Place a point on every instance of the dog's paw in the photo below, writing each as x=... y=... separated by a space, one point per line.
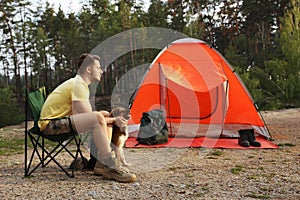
x=126 y=164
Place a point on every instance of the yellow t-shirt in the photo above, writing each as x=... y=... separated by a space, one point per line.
x=59 y=103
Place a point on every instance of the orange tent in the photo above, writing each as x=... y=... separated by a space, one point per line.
x=199 y=92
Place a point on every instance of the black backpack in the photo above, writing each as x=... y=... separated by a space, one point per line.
x=153 y=128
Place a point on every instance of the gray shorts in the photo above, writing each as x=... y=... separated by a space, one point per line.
x=59 y=126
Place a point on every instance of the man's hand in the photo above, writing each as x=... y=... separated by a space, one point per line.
x=121 y=122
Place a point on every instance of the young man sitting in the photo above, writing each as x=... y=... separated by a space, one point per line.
x=70 y=102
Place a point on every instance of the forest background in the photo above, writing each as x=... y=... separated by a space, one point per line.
x=260 y=39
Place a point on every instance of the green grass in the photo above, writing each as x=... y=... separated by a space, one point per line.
x=217 y=153
x=11 y=146
x=16 y=146
x=189 y=175
x=211 y=157
x=214 y=154
x=237 y=169
x=286 y=145
x=265 y=189
x=253 y=177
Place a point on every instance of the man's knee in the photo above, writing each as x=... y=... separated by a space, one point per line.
x=100 y=118
x=104 y=113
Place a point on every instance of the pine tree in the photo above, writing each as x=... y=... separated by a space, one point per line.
x=157 y=14
x=290 y=45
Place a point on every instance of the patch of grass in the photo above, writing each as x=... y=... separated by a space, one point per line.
x=265 y=189
x=189 y=175
x=211 y=157
x=213 y=154
x=237 y=169
x=12 y=146
x=261 y=168
x=258 y=196
x=269 y=175
x=217 y=153
x=16 y=146
x=28 y=177
x=4 y=129
x=173 y=168
x=286 y=145
x=203 y=149
x=271 y=161
x=199 y=194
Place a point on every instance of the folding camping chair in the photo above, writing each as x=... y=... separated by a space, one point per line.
x=41 y=152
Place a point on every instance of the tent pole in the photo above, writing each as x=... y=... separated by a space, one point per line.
x=169 y=109
x=225 y=107
x=166 y=99
x=256 y=107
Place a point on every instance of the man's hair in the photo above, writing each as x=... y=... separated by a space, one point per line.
x=86 y=60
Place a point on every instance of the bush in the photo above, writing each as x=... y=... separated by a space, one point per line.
x=11 y=113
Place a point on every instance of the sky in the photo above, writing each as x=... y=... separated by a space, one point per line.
x=73 y=5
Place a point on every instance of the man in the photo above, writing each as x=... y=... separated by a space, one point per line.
x=70 y=101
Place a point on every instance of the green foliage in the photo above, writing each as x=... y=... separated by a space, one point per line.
x=275 y=83
x=259 y=38
x=249 y=75
x=253 y=84
x=157 y=14
x=234 y=57
x=9 y=108
x=290 y=43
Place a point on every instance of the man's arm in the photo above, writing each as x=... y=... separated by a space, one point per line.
x=81 y=107
x=84 y=107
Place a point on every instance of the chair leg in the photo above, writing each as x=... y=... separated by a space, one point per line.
x=46 y=156
x=43 y=152
x=60 y=146
x=25 y=153
x=78 y=151
x=35 y=143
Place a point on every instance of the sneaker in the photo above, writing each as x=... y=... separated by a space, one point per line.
x=91 y=163
x=79 y=163
x=113 y=173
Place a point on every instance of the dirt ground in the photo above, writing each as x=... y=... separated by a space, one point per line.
x=171 y=173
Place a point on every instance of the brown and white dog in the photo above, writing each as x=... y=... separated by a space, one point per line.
x=119 y=136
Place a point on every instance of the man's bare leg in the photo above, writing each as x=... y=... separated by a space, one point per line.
x=105 y=165
x=96 y=122
x=109 y=124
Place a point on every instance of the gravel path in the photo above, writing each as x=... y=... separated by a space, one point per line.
x=172 y=173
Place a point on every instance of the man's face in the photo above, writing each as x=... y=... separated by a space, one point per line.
x=96 y=71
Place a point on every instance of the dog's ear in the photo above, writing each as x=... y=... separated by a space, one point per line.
x=127 y=111
x=111 y=114
x=119 y=111
x=116 y=111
